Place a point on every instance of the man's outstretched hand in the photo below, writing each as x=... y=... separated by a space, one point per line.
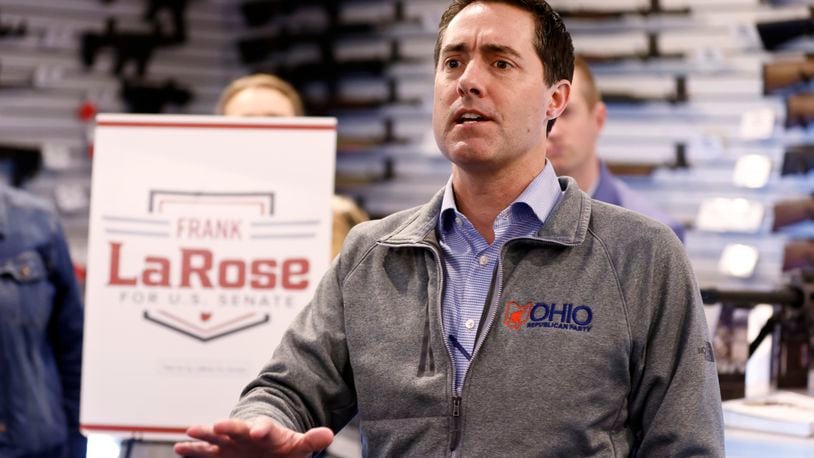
x=261 y=437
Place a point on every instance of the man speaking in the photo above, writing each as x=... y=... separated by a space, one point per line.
x=509 y=316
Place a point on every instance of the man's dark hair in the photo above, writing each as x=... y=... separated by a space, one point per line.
x=551 y=40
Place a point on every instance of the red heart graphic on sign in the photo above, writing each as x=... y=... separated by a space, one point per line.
x=205 y=316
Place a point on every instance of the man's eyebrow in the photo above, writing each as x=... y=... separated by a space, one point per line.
x=500 y=49
x=454 y=48
x=489 y=48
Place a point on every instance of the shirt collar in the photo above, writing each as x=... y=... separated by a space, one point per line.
x=541 y=195
x=448 y=207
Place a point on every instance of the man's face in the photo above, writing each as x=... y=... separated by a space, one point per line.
x=572 y=141
x=259 y=101
x=491 y=98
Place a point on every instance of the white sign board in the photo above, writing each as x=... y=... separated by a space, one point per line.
x=207 y=236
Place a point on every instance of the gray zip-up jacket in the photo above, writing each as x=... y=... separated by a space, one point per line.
x=596 y=345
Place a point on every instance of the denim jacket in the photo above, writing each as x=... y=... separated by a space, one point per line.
x=40 y=330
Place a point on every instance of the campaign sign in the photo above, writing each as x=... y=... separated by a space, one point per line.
x=207 y=236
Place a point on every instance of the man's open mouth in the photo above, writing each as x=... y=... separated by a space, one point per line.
x=470 y=118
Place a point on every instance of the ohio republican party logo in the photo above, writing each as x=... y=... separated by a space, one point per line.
x=516 y=315
x=548 y=315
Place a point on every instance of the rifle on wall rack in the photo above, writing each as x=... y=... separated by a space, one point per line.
x=792 y=323
x=775 y=34
x=655 y=9
x=784 y=74
x=799 y=109
x=18 y=30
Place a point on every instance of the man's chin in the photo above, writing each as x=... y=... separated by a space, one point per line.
x=554 y=154
x=468 y=158
x=468 y=148
x=559 y=166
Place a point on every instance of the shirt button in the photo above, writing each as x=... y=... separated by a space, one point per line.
x=483 y=260
x=458 y=221
x=470 y=323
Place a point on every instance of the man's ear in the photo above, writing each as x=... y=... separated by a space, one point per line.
x=560 y=94
x=600 y=114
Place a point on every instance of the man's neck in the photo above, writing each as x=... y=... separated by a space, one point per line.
x=481 y=198
x=588 y=177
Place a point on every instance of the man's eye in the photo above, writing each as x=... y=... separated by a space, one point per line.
x=502 y=64
x=452 y=63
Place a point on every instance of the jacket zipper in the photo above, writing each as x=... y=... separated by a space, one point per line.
x=456 y=407
x=455 y=431
x=457 y=399
x=456 y=423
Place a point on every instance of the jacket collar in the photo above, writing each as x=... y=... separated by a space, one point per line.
x=567 y=224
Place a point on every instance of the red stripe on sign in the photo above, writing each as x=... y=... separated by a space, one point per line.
x=214 y=126
x=134 y=428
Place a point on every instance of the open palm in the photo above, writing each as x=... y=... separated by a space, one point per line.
x=261 y=437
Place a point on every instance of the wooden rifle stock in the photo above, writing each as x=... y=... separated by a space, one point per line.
x=782 y=74
x=799 y=109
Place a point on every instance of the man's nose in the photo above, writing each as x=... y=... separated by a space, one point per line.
x=471 y=80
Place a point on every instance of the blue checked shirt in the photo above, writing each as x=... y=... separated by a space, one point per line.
x=470 y=262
